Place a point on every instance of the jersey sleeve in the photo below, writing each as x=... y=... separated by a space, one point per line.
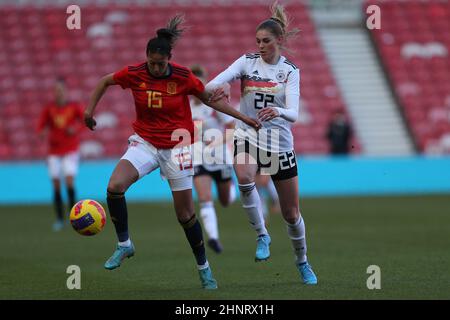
x=196 y=87
x=233 y=72
x=43 y=120
x=121 y=77
x=290 y=113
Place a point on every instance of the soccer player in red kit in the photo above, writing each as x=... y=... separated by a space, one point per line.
x=164 y=132
x=63 y=120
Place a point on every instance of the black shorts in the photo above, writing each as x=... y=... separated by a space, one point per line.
x=222 y=175
x=280 y=166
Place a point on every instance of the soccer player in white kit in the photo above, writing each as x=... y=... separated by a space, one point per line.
x=212 y=161
x=269 y=91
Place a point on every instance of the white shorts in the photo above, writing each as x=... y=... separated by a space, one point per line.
x=66 y=165
x=175 y=164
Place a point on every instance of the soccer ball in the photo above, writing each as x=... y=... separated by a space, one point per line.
x=87 y=217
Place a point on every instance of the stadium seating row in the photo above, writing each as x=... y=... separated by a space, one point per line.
x=40 y=48
x=414 y=45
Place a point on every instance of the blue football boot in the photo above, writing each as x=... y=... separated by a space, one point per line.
x=58 y=225
x=262 y=247
x=208 y=282
x=118 y=255
x=307 y=273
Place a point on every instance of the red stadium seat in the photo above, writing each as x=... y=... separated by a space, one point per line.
x=422 y=22
x=39 y=51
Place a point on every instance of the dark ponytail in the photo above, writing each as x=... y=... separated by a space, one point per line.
x=166 y=37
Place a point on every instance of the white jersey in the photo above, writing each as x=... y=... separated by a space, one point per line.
x=212 y=124
x=265 y=85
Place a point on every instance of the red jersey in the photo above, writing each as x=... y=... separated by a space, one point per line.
x=162 y=104
x=64 y=123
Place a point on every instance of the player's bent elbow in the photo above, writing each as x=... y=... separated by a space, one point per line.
x=290 y=115
x=292 y=119
x=107 y=80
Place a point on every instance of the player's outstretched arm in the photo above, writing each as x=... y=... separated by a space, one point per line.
x=219 y=92
x=289 y=112
x=224 y=106
x=100 y=89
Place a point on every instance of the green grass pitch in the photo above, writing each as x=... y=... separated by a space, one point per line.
x=407 y=237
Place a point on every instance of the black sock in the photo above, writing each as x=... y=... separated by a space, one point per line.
x=117 y=206
x=193 y=232
x=57 y=201
x=71 y=194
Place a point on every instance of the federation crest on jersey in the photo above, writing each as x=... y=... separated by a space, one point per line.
x=171 y=87
x=60 y=121
x=280 y=75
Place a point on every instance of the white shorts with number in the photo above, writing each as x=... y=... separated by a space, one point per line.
x=175 y=164
x=66 y=165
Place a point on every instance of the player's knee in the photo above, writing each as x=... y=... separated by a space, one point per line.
x=184 y=213
x=291 y=214
x=187 y=221
x=116 y=186
x=56 y=184
x=246 y=179
x=69 y=182
x=204 y=197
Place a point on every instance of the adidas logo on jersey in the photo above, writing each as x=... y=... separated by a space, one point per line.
x=255 y=72
x=143 y=85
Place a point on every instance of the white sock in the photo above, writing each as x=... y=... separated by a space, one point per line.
x=252 y=205
x=232 y=192
x=125 y=243
x=297 y=235
x=203 y=266
x=272 y=191
x=209 y=218
x=264 y=209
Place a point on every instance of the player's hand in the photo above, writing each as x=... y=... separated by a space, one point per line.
x=221 y=92
x=267 y=114
x=252 y=123
x=89 y=121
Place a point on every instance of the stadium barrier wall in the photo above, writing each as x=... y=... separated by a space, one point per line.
x=29 y=183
